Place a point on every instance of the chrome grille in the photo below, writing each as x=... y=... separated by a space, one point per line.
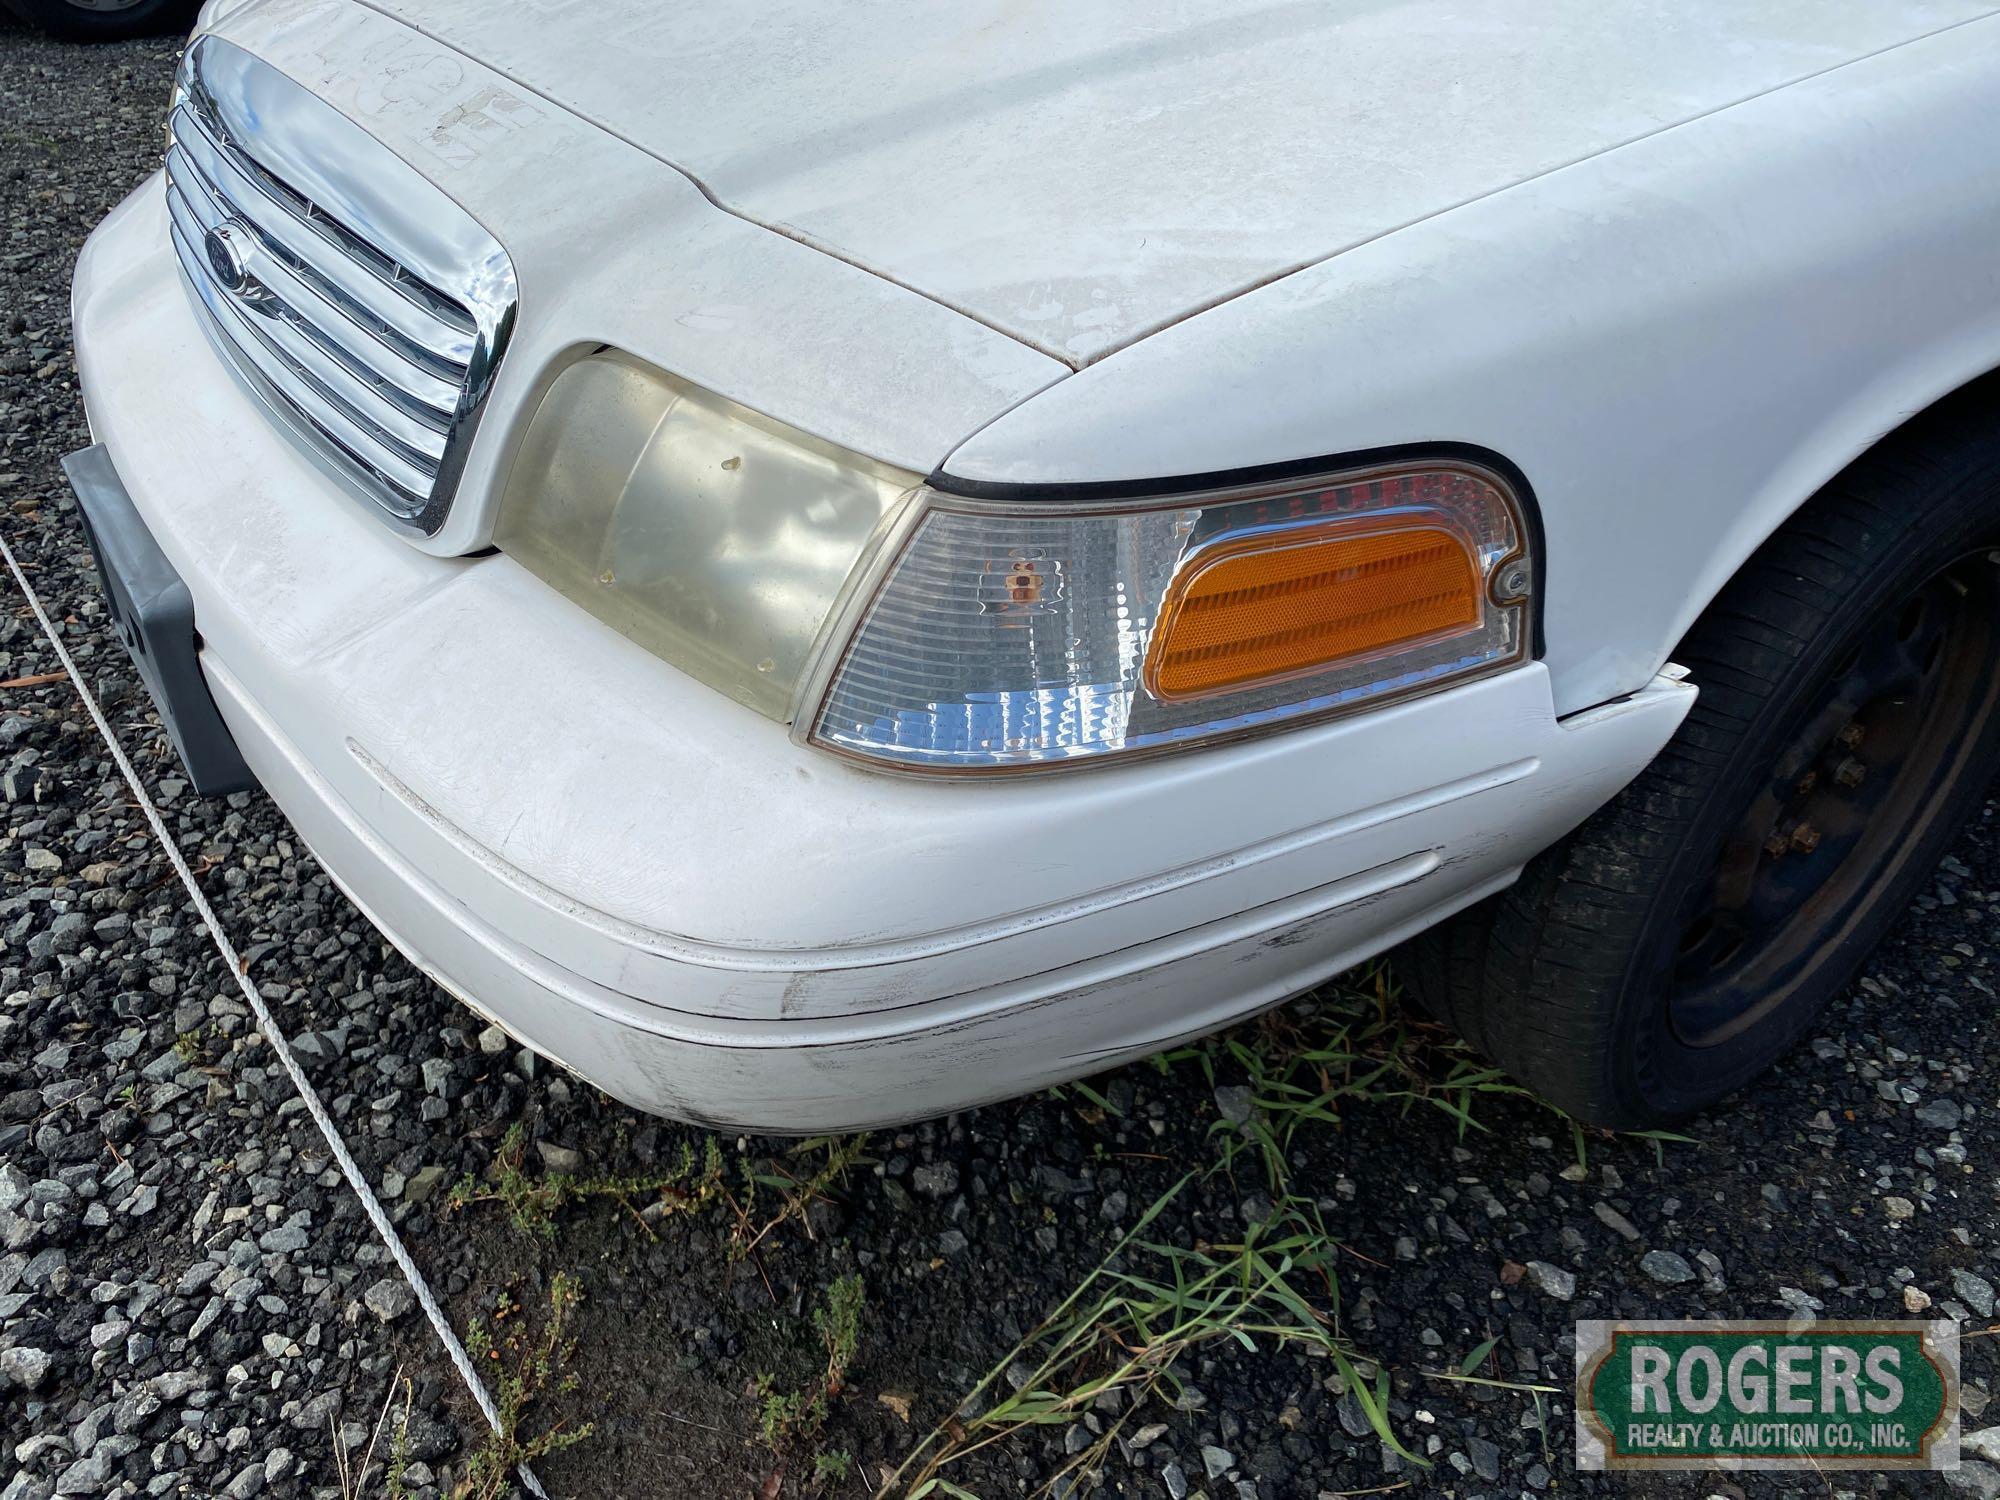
x=364 y=307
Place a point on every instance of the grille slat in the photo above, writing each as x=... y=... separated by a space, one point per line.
x=365 y=308
x=362 y=446
x=420 y=443
x=415 y=387
x=373 y=301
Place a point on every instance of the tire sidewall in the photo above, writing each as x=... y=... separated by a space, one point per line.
x=75 y=23
x=1649 y=1059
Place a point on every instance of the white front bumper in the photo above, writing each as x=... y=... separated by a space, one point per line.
x=658 y=888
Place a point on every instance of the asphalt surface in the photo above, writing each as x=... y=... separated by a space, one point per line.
x=191 y=1302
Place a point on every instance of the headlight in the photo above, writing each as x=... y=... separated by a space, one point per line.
x=712 y=536
x=1046 y=632
x=1002 y=637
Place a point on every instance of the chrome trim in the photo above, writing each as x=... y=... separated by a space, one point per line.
x=367 y=310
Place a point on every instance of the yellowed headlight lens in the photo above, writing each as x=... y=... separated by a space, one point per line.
x=713 y=536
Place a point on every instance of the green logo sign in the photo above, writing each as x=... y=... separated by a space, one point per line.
x=1710 y=1395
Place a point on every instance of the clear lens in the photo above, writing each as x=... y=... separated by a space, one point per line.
x=712 y=536
x=1034 y=636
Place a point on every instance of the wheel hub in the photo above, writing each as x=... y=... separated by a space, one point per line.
x=1866 y=754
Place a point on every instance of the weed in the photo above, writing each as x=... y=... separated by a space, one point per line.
x=1095 y=1109
x=540 y=1368
x=353 y=1481
x=48 y=145
x=1359 y=1046
x=1148 y=1310
x=791 y=1422
x=187 y=1045
x=532 y=1202
x=838 y=1320
x=796 y=1194
x=1659 y=1140
x=782 y=1416
x=399 y=1445
x=832 y=1466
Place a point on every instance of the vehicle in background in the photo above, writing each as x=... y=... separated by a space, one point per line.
x=104 y=20
x=825 y=565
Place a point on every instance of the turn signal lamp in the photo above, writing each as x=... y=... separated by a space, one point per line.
x=1265 y=607
x=1043 y=633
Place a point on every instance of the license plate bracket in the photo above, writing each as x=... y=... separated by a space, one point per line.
x=153 y=614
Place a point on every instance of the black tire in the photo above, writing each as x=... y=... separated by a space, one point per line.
x=1616 y=979
x=80 y=23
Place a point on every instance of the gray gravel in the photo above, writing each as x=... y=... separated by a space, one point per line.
x=192 y=1304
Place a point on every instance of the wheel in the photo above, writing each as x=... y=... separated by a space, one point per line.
x=105 y=20
x=1686 y=935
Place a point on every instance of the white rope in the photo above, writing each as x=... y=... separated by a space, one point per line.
x=273 y=1035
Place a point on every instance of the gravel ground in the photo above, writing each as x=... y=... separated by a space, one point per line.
x=191 y=1303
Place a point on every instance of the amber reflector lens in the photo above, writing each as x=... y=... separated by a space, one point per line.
x=1269 y=606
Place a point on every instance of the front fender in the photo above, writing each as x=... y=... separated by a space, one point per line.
x=1678 y=341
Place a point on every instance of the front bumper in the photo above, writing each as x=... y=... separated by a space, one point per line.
x=659 y=889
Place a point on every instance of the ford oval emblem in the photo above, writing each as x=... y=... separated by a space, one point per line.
x=224 y=247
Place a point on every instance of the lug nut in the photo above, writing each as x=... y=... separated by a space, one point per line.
x=1777 y=845
x=1850 y=773
x=1807 y=782
x=1851 y=735
x=1805 y=838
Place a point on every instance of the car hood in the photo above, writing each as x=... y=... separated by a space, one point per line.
x=1079 y=175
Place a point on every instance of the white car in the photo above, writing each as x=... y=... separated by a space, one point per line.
x=827 y=564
